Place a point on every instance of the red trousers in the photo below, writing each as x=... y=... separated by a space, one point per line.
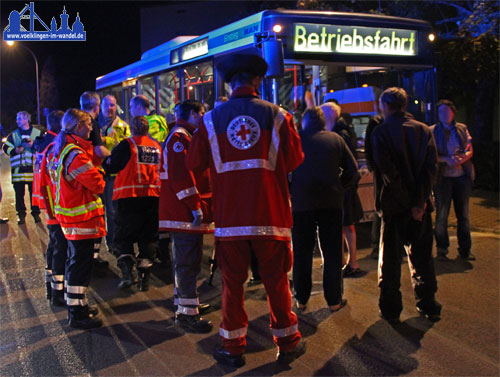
x=275 y=259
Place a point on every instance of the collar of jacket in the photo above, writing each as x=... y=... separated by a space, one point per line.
x=453 y=125
x=105 y=122
x=86 y=145
x=243 y=91
x=185 y=124
x=399 y=115
x=30 y=128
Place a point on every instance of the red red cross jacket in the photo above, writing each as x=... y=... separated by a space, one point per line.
x=77 y=204
x=250 y=146
x=47 y=186
x=141 y=175
x=182 y=190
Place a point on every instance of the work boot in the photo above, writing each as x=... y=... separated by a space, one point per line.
x=193 y=323
x=37 y=218
x=92 y=310
x=224 y=357
x=21 y=219
x=287 y=357
x=57 y=298
x=143 y=274
x=125 y=265
x=79 y=318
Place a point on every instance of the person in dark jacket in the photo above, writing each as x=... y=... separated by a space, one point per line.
x=317 y=193
x=375 y=233
x=136 y=191
x=19 y=147
x=405 y=158
x=353 y=210
x=57 y=247
x=456 y=174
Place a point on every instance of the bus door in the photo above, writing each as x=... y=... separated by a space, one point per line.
x=129 y=91
x=199 y=83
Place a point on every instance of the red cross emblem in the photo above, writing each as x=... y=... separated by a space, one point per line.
x=243 y=132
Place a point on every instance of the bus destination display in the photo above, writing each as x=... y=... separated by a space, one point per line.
x=343 y=39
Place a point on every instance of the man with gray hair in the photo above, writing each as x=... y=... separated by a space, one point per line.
x=19 y=147
x=405 y=165
x=90 y=102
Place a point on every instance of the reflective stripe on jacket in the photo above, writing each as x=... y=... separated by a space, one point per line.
x=21 y=164
x=141 y=175
x=250 y=146
x=77 y=204
x=182 y=190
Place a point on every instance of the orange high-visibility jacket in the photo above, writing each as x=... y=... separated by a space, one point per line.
x=141 y=175
x=77 y=204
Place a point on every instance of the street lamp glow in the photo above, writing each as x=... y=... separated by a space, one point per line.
x=10 y=43
x=432 y=37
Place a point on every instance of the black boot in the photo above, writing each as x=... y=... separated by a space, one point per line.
x=126 y=265
x=193 y=323
x=79 y=318
x=57 y=298
x=143 y=274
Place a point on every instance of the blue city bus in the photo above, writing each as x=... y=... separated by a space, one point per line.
x=331 y=54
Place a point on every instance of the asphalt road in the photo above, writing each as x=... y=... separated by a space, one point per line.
x=139 y=337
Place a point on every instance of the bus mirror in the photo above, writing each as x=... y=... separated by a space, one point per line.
x=272 y=51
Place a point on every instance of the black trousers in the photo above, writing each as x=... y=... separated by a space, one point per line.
x=79 y=269
x=401 y=232
x=19 y=189
x=56 y=255
x=329 y=224
x=137 y=221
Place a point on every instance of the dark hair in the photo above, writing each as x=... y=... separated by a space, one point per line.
x=54 y=120
x=395 y=98
x=70 y=120
x=448 y=103
x=313 y=118
x=242 y=78
x=141 y=100
x=186 y=107
x=89 y=100
x=139 y=126
x=332 y=100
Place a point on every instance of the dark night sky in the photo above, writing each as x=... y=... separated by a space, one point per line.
x=113 y=40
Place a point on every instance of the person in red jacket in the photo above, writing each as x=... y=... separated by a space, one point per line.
x=185 y=211
x=79 y=210
x=56 y=252
x=135 y=197
x=250 y=146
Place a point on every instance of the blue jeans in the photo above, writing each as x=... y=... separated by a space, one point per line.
x=458 y=190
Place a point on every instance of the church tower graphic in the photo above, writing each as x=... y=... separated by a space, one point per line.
x=16 y=31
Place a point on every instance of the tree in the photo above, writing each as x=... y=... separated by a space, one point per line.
x=49 y=94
